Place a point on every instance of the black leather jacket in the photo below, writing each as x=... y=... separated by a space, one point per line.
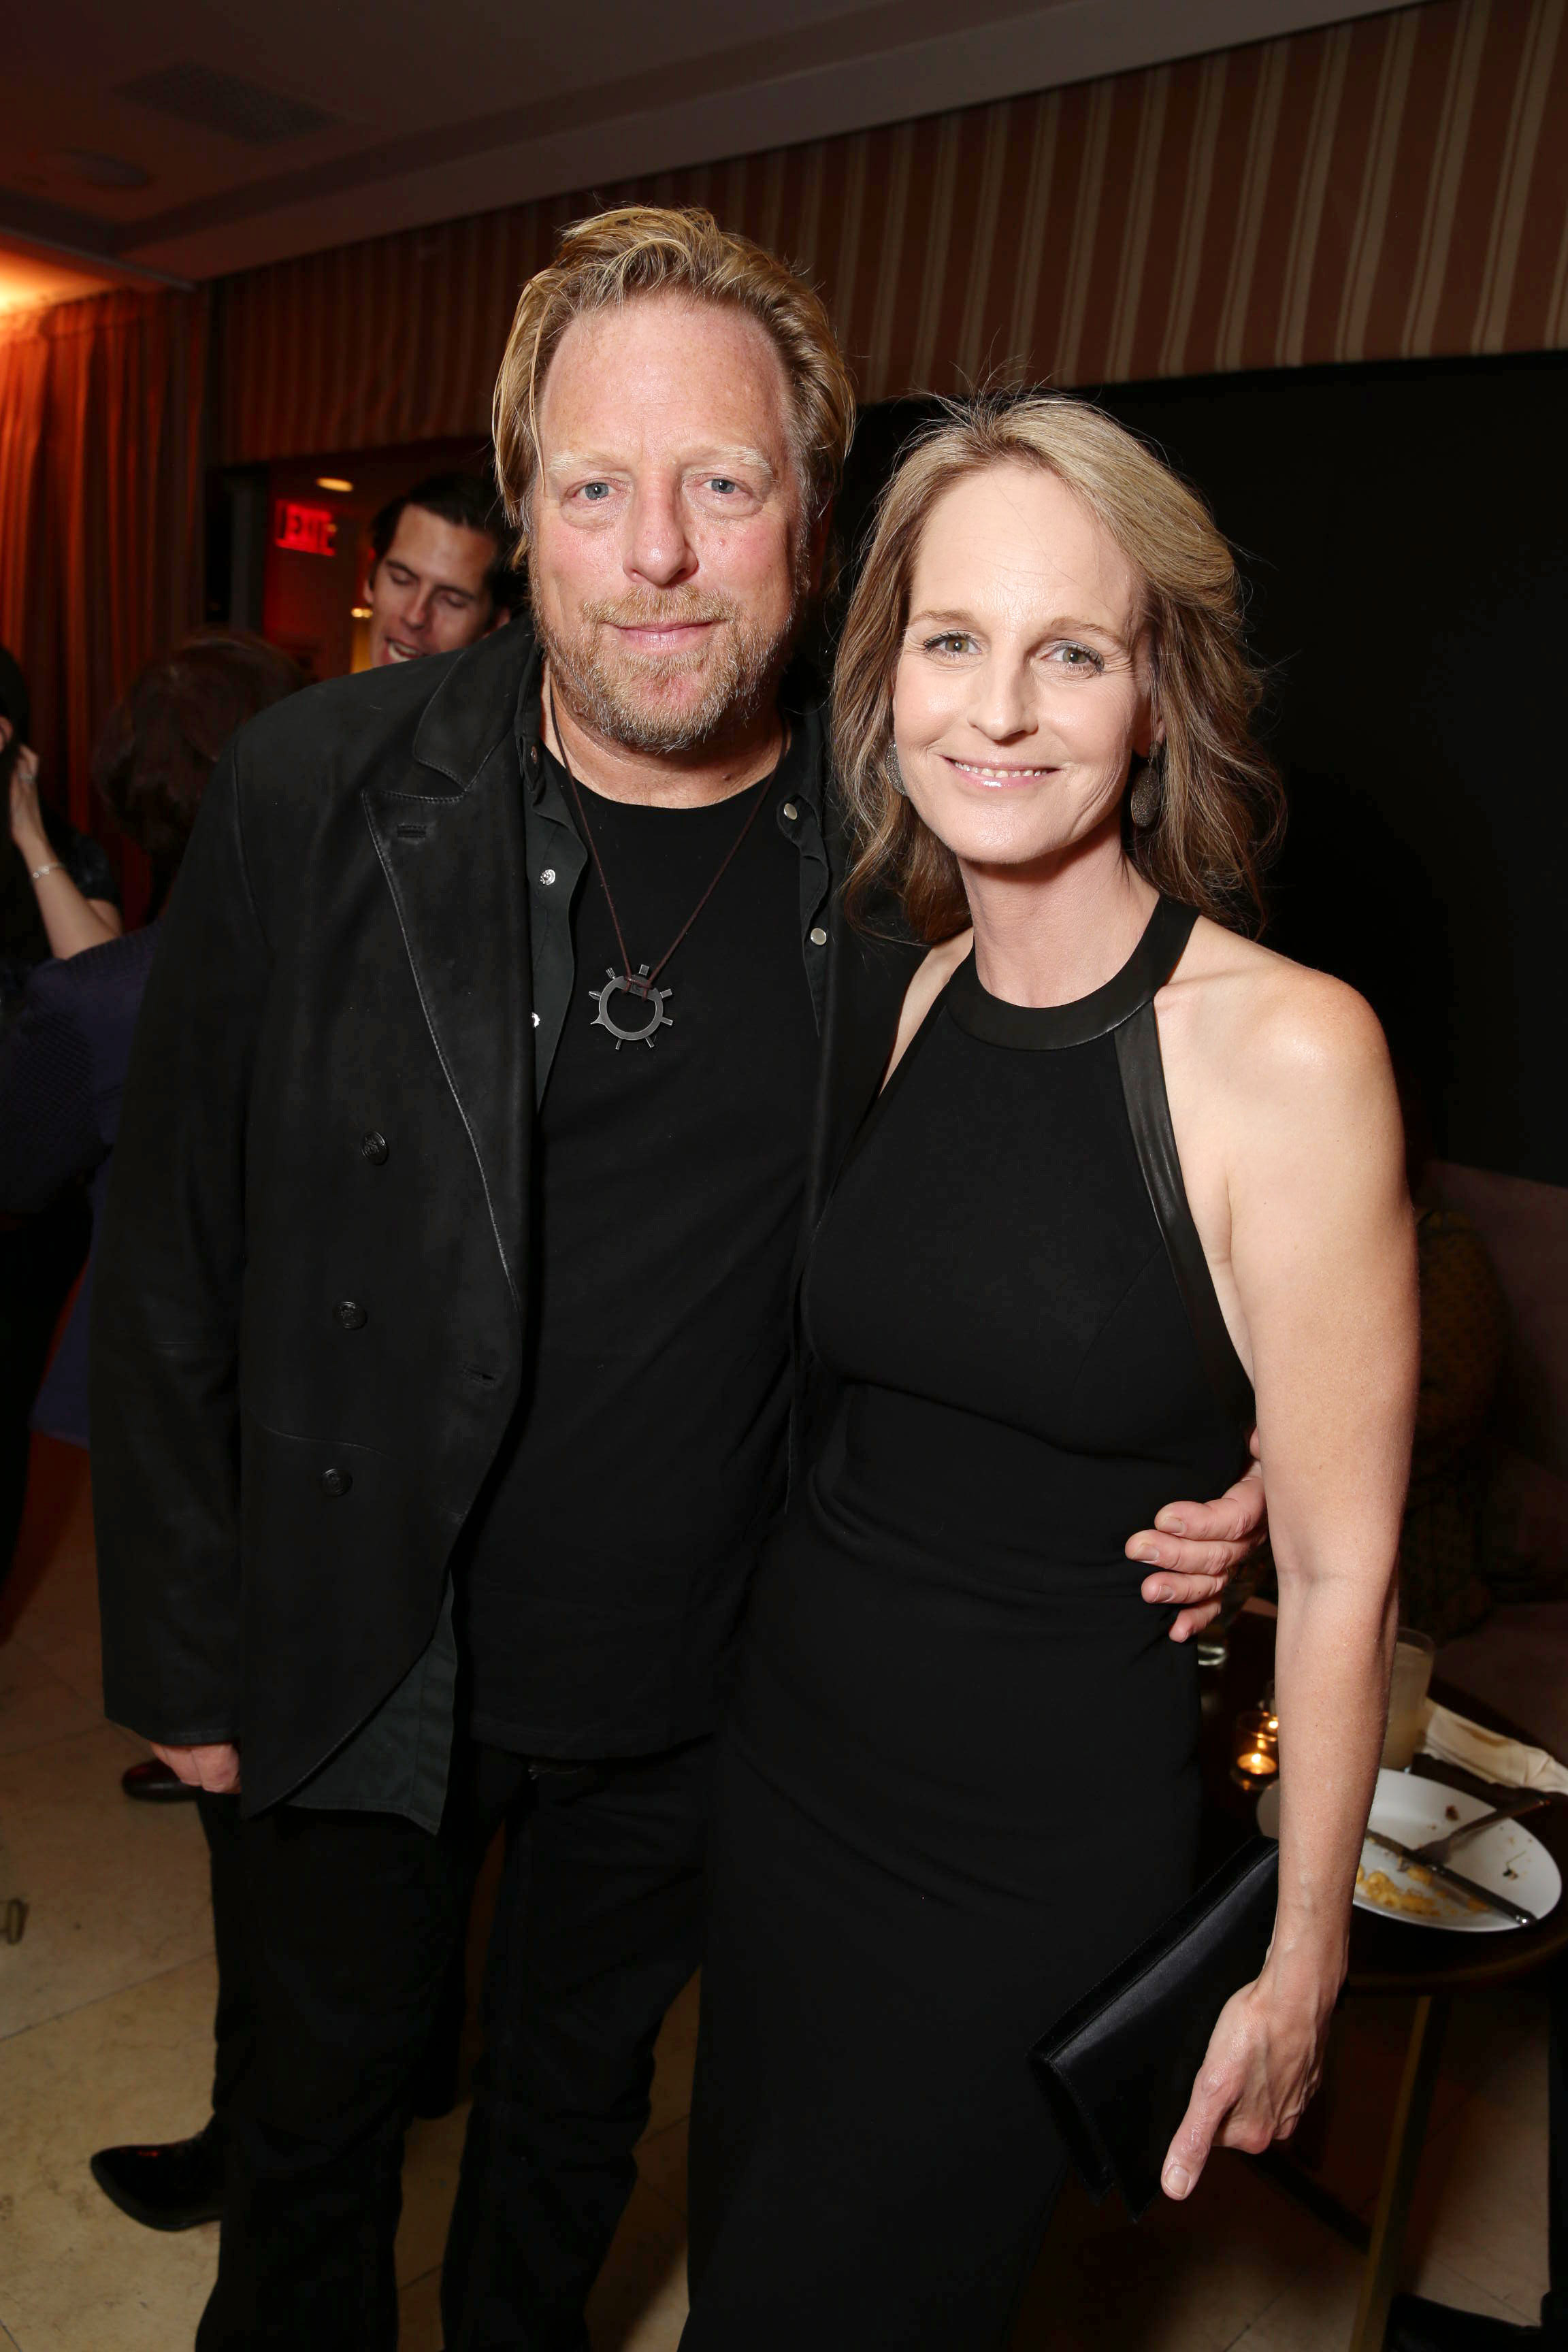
x=309 y=1314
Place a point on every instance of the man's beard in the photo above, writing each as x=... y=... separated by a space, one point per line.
x=628 y=700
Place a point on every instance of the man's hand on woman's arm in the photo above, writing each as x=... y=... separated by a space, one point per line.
x=1196 y=1548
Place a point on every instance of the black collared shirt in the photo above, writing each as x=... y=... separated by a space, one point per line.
x=605 y=1574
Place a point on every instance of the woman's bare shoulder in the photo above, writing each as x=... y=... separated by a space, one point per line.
x=1273 y=1023
x=930 y=977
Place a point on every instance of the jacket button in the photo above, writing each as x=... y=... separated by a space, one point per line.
x=533 y=755
x=791 y=811
x=374 y=1146
x=818 y=936
x=350 y=1314
x=336 y=1482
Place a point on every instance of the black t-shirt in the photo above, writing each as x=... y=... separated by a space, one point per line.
x=607 y=1573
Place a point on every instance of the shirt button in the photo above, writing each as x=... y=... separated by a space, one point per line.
x=336 y=1482
x=548 y=876
x=533 y=755
x=818 y=936
x=374 y=1146
x=351 y=1315
x=534 y=1017
x=791 y=811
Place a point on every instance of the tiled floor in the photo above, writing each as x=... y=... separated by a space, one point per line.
x=105 y=2023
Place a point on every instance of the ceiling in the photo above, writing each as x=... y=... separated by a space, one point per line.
x=194 y=137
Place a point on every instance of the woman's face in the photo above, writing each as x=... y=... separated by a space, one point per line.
x=1022 y=691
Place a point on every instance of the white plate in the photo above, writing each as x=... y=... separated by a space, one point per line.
x=1505 y=1860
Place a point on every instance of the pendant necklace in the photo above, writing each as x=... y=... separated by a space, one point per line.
x=640 y=985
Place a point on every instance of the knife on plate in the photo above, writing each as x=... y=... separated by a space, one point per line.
x=1447 y=1877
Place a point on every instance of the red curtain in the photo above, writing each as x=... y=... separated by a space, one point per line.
x=100 y=452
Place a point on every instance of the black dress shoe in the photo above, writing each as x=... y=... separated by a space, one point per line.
x=155 y=1783
x=168 y=2187
x=1416 y=2326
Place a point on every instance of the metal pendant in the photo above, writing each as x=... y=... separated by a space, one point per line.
x=617 y=984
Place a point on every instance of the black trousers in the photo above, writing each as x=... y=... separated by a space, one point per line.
x=344 y=1926
x=234 y=2026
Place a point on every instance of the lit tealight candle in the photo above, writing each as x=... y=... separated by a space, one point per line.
x=1254 y=1747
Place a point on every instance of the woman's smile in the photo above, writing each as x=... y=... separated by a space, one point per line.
x=993 y=773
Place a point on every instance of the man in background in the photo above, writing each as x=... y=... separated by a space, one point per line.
x=442 y=574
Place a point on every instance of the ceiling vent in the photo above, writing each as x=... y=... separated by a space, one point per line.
x=100 y=171
x=222 y=102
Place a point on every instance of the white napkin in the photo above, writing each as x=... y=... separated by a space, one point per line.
x=1457 y=1741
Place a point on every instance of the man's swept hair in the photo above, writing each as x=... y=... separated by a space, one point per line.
x=470 y=504
x=639 y=249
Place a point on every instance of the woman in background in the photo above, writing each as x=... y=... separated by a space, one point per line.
x=58 y=895
x=62 y=1063
x=57 y=892
x=1128 y=1169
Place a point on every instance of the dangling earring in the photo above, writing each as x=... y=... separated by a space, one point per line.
x=1144 y=801
x=896 y=774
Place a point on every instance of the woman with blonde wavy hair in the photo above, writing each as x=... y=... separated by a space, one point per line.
x=1130 y=1179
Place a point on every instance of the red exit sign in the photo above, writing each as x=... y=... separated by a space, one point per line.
x=305 y=530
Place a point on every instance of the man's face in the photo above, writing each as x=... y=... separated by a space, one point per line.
x=428 y=594
x=668 y=556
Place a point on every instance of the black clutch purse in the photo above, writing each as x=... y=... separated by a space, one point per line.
x=1119 y=2068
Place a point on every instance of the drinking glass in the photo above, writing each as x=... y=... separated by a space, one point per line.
x=1408 y=1697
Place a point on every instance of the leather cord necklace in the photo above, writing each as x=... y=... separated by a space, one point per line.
x=639 y=985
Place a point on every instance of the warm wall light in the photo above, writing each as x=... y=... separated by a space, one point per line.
x=35 y=281
x=333 y=482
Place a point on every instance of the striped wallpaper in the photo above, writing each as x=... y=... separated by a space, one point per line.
x=1393 y=187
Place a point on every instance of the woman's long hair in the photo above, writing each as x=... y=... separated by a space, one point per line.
x=1220 y=805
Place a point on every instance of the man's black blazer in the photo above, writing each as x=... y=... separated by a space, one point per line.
x=309 y=1314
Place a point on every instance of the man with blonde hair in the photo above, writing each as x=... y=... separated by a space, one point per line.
x=443 y=1371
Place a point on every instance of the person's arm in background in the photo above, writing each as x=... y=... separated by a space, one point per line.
x=71 y=921
x=165 y=1320
x=1323 y=1256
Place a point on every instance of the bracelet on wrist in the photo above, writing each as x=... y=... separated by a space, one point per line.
x=50 y=865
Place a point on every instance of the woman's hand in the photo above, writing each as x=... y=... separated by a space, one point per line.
x=1264 y=2062
x=71 y=921
x=27 y=817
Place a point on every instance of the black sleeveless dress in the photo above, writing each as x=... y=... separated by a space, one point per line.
x=958 y=1780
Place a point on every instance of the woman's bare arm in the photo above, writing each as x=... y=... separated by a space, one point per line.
x=1323 y=1263
x=71 y=921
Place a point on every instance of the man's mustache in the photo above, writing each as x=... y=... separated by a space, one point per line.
x=672 y=611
